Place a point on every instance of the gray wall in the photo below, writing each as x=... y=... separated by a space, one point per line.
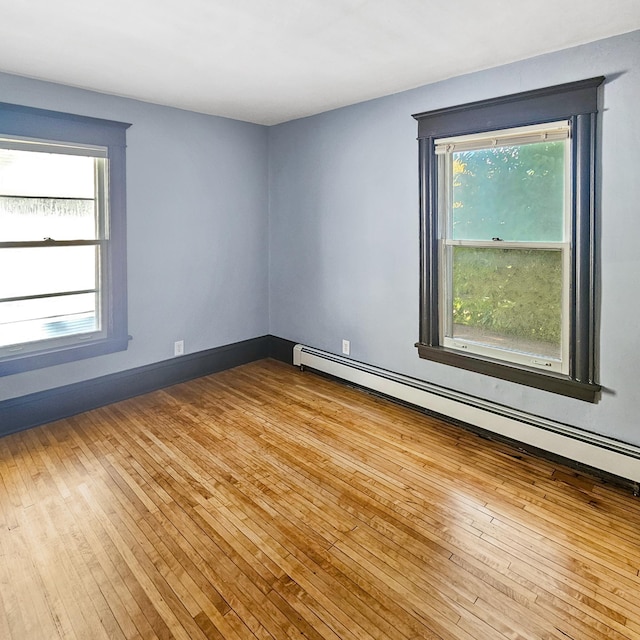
x=343 y=229
x=197 y=230
x=309 y=230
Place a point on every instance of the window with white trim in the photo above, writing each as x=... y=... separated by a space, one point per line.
x=508 y=237
x=63 y=284
x=504 y=244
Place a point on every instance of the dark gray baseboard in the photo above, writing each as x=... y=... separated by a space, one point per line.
x=281 y=349
x=41 y=407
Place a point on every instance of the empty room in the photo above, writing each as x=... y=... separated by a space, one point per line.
x=319 y=320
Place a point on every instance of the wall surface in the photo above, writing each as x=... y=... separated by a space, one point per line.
x=343 y=228
x=197 y=224
x=309 y=231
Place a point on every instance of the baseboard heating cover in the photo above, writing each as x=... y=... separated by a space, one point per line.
x=600 y=452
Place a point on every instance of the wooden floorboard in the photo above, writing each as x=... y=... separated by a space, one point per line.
x=264 y=502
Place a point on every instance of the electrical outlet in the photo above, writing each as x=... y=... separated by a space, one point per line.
x=346 y=347
x=178 y=348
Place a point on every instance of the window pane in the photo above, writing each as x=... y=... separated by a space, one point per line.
x=30 y=320
x=513 y=193
x=38 y=271
x=508 y=298
x=46 y=195
x=46 y=175
x=33 y=219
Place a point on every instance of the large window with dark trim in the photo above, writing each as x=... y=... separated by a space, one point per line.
x=62 y=249
x=508 y=238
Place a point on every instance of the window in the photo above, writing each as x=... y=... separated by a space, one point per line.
x=508 y=237
x=63 y=290
x=503 y=244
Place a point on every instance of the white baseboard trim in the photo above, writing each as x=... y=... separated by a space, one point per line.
x=607 y=454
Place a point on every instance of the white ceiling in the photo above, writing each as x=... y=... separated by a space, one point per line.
x=268 y=61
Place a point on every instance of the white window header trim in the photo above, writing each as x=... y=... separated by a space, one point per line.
x=549 y=131
x=47 y=146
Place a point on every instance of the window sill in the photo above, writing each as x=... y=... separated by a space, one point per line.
x=555 y=383
x=61 y=355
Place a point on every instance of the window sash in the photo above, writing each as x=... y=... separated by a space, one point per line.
x=38 y=342
x=547 y=132
x=51 y=146
x=508 y=354
x=445 y=175
x=444 y=150
x=99 y=154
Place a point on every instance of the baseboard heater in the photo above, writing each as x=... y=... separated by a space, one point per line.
x=599 y=452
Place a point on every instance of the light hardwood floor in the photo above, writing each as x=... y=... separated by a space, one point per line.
x=263 y=502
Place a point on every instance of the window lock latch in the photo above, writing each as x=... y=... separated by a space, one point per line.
x=496 y=239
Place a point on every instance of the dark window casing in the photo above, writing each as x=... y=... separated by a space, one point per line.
x=28 y=122
x=576 y=102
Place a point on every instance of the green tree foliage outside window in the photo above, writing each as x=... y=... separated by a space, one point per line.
x=508 y=292
x=514 y=193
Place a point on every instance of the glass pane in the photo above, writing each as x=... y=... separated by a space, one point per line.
x=33 y=219
x=513 y=193
x=38 y=271
x=30 y=320
x=46 y=175
x=508 y=298
x=46 y=195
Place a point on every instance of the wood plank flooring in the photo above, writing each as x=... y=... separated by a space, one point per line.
x=264 y=502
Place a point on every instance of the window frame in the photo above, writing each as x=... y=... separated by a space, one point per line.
x=576 y=102
x=22 y=122
x=445 y=148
